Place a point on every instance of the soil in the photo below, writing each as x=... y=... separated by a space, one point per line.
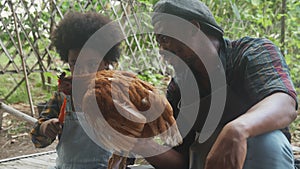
x=15 y=139
x=14 y=135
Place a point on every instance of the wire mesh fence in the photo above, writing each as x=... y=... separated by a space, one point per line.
x=35 y=20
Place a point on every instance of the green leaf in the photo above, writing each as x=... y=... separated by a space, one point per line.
x=235 y=10
x=255 y=2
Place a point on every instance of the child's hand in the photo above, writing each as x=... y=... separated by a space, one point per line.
x=51 y=128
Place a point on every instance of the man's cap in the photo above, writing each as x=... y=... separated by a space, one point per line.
x=189 y=10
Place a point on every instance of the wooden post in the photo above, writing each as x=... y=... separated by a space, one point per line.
x=282 y=39
x=1 y=118
x=23 y=60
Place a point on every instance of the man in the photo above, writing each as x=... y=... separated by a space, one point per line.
x=260 y=98
x=75 y=149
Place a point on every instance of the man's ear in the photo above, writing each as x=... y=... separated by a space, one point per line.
x=196 y=24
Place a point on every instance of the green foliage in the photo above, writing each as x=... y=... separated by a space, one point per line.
x=54 y=77
x=148 y=2
x=151 y=76
x=20 y=94
x=261 y=18
x=258 y=18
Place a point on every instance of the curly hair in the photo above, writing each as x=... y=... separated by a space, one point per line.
x=75 y=29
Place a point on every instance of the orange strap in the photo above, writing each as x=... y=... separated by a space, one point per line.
x=62 y=112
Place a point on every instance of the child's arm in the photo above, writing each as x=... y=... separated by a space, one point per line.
x=51 y=113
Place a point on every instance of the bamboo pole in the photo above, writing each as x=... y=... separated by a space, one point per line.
x=17 y=113
x=282 y=39
x=1 y=118
x=23 y=60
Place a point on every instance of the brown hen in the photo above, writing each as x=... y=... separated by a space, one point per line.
x=126 y=109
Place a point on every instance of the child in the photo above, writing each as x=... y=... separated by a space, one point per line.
x=75 y=149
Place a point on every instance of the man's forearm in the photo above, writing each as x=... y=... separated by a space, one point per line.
x=160 y=156
x=274 y=112
x=169 y=159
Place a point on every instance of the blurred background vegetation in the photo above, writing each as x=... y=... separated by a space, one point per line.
x=277 y=20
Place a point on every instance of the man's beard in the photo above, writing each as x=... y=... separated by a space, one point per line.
x=187 y=73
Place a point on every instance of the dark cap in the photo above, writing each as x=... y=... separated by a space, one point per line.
x=189 y=10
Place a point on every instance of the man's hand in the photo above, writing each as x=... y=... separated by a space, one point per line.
x=50 y=128
x=229 y=151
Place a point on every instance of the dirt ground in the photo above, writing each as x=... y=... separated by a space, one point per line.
x=15 y=138
x=14 y=135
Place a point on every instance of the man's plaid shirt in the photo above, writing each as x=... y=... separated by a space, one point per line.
x=257 y=67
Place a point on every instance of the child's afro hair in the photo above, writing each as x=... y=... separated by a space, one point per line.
x=74 y=30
